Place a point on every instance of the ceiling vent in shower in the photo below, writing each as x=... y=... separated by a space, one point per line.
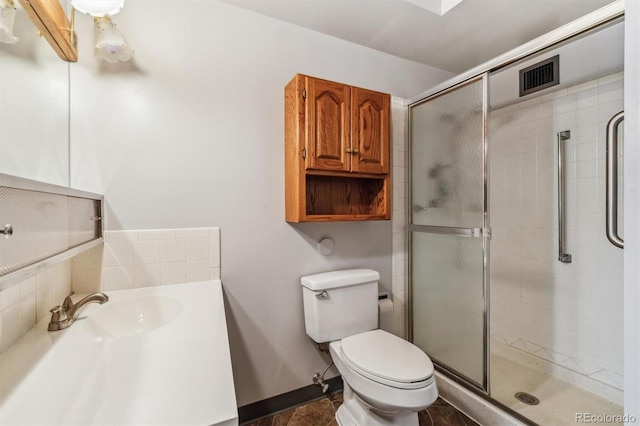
x=540 y=76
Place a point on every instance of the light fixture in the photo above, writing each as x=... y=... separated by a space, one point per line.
x=7 y=19
x=98 y=8
x=439 y=7
x=110 y=45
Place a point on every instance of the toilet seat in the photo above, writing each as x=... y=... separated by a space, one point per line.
x=387 y=359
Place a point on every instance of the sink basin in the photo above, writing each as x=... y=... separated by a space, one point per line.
x=149 y=356
x=135 y=315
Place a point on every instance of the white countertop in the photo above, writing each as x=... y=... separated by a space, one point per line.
x=175 y=373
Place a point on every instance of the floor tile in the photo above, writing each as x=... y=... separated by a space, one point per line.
x=322 y=413
x=316 y=413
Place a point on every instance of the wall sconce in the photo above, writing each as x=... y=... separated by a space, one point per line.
x=110 y=45
x=7 y=18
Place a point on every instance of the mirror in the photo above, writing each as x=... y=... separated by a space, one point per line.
x=34 y=107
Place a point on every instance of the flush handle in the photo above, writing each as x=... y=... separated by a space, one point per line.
x=322 y=295
x=7 y=231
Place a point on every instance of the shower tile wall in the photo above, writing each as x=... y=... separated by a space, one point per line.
x=398 y=217
x=567 y=314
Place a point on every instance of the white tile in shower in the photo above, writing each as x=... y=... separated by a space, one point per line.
x=564 y=104
x=610 y=91
x=399 y=221
x=554 y=295
x=588 y=97
x=586 y=168
x=545 y=109
x=608 y=110
x=586 y=116
x=554 y=95
x=565 y=121
x=399 y=265
x=586 y=151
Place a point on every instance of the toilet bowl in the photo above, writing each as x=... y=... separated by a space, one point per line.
x=387 y=380
x=387 y=375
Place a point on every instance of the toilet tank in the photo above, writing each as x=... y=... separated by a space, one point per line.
x=338 y=304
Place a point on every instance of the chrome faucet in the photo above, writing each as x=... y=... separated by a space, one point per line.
x=62 y=316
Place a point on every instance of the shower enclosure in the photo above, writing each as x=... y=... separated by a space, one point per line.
x=515 y=287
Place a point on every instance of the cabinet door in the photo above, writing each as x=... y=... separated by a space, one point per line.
x=370 y=131
x=327 y=116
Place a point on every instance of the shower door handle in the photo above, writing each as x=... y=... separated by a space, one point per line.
x=612 y=180
x=562 y=256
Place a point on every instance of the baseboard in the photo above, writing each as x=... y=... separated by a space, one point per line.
x=270 y=406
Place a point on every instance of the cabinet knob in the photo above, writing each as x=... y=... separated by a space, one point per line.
x=352 y=150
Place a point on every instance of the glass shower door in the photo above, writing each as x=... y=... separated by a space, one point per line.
x=449 y=231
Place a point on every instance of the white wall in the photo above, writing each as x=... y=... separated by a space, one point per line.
x=190 y=134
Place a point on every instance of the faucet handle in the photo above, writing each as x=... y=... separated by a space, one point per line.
x=58 y=314
x=68 y=303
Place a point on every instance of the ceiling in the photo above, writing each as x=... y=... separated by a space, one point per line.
x=471 y=33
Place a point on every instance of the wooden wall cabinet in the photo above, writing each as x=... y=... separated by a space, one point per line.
x=337 y=152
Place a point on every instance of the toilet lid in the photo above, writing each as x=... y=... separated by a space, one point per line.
x=384 y=355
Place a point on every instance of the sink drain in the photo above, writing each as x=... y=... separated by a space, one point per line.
x=527 y=398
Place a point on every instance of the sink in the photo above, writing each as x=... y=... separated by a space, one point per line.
x=149 y=356
x=131 y=316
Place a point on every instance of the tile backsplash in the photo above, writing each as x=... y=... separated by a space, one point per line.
x=127 y=259
x=25 y=304
x=144 y=258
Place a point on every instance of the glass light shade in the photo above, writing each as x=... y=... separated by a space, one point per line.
x=110 y=45
x=98 y=8
x=7 y=19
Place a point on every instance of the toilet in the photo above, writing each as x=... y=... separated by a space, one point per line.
x=387 y=380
